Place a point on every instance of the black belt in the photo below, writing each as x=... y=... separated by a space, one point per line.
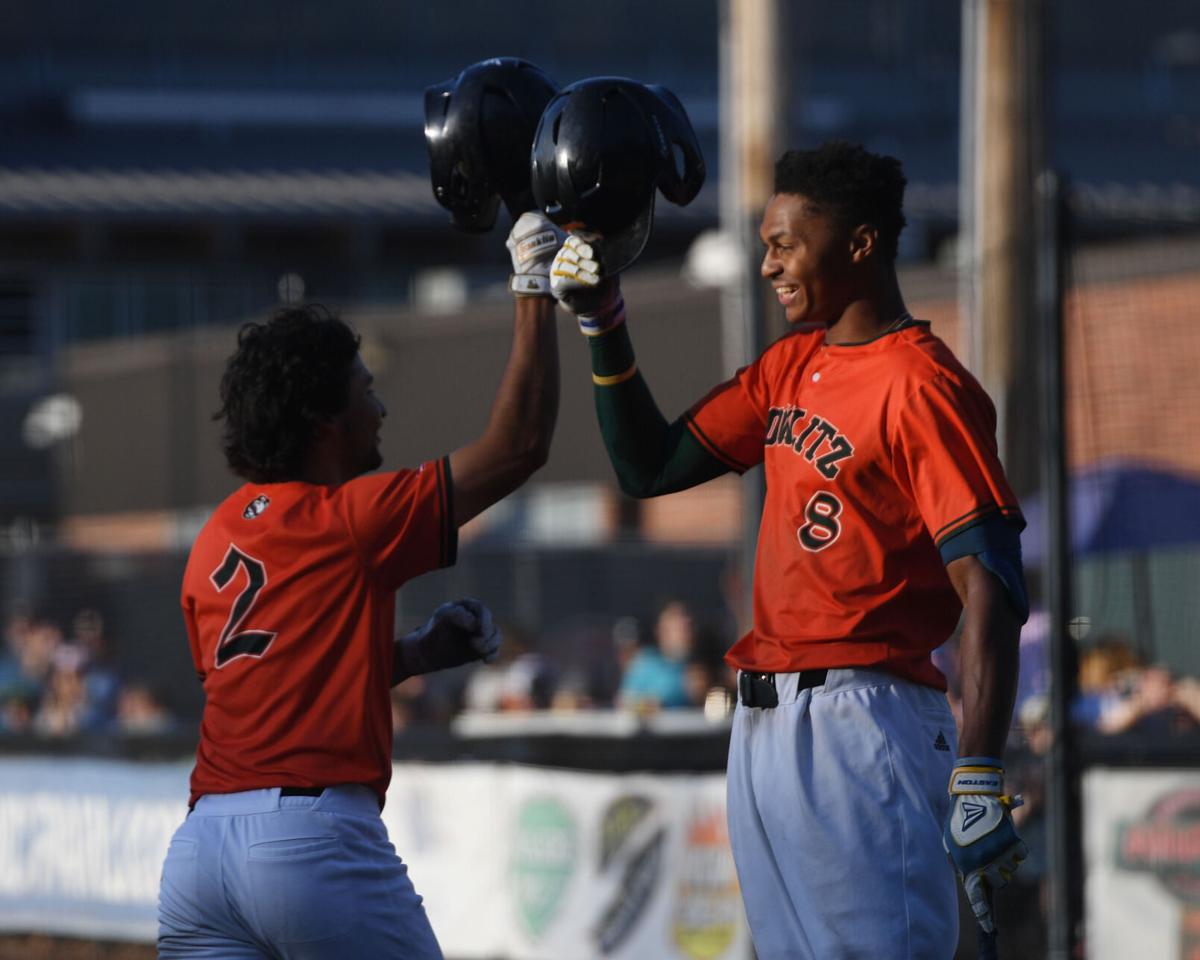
x=301 y=791
x=758 y=689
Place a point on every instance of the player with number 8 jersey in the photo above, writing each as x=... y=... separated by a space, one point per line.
x=886 y=516
x=885 y=449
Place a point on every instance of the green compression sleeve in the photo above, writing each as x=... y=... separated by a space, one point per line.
x=650 y=456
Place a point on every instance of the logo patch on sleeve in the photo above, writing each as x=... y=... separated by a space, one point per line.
x=256 y=507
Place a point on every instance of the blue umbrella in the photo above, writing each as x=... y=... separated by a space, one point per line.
x=1120 y=506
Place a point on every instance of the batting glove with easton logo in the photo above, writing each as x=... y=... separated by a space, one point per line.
x=979 y=835
x=532 y=243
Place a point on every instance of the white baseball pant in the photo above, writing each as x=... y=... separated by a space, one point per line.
x=836 y=800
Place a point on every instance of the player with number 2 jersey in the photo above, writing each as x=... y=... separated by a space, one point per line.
x=296 y=681
x=289 y=603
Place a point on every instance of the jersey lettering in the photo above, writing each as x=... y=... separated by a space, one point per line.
x=798 y=443
x=822 y=528
x=819 y=442
x=825 y=431
x=246 y=643
x=828 y=463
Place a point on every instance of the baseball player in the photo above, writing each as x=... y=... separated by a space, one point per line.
x=289 y=599
x=887 y=514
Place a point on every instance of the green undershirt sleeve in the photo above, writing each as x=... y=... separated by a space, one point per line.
x=650 y=456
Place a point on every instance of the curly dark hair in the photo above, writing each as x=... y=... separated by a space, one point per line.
x=286 y=376
x=851 y=184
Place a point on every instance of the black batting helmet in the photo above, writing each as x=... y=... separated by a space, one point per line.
x=602 y=148
x=479 y=129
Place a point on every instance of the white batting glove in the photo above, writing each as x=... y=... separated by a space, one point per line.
x=531 y=244
x=459 y=632
x=577 y=281
x=979 y=835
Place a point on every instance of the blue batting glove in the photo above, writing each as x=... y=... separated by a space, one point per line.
x=979 y=834
x=459 y=632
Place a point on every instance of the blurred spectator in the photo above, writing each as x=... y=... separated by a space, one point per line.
x=57 y=686
x=1106 y=669
x=573 y=691
x=101 y=679
x=64 y=702
x=35 y=644
x=627 y=640
x=657 y=675
x=519 y=679
x=16 y=712
x=16 y=632
x=431 y=698
x=699 y=676
x=140 y=711
x=1152 y=705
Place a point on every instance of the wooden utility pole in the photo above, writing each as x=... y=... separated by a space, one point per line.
x=1002 y=82
x=753 y=130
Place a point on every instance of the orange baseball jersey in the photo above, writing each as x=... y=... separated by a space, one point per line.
x=289 y=602
x=875 y=454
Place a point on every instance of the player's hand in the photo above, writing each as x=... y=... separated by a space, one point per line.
x=532 y=243
x=979 y=835
x=468 y=625
x=578 y=282
x=459 y=632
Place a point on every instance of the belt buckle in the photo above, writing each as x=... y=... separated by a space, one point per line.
x=758 y=690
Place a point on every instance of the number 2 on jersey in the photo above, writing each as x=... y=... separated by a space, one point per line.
x=822 y=527
x=245 y=643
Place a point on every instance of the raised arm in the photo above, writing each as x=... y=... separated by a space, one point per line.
x=649 y=455
x=516 y=440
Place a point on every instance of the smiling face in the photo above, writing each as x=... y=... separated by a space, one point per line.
x=809 y=260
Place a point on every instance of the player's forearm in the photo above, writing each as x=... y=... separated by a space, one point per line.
x=649 y=456
x=989 y=650
x=406 y=657
x=526 y=404
x=425 y=651
x=632 y=427
x=516 y=441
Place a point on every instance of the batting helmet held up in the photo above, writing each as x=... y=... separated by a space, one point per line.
x=479 y=128
x=602 y=148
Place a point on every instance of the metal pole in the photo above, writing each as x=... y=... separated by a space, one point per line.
x=1063 y=806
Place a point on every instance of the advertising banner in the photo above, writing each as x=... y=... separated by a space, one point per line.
x=517 y=862
x=1142 y=848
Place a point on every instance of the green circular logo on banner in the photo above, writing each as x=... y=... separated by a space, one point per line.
x=545 y=850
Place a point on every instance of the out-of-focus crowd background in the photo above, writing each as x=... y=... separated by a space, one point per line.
x=166 y=176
